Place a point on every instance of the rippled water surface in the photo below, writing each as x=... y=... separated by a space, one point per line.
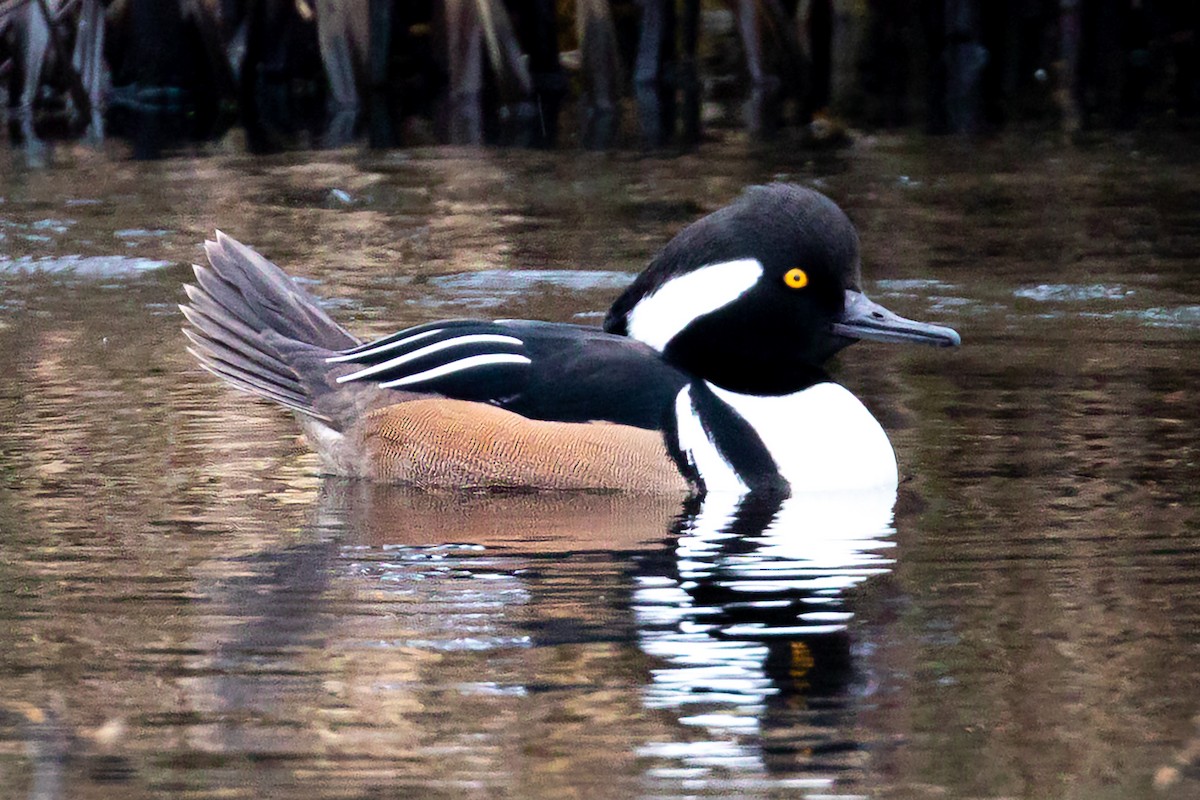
x=188 y=610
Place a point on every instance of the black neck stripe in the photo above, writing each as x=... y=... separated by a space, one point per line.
x=737 y=442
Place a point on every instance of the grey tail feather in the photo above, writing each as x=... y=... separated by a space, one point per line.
x=250 y=321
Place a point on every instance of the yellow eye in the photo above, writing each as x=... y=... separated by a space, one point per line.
x=796 y=278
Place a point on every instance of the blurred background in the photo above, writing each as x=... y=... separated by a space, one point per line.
x=597 y=73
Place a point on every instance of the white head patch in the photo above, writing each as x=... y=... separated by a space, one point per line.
x=658 y=317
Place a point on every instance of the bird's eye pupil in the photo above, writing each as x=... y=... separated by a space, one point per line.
x=796 y=278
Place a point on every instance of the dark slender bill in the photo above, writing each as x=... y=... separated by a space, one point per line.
x=863 y=318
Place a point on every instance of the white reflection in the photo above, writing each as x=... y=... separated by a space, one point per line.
x=753 y=607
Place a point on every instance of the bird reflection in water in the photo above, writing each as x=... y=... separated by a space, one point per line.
x=373 y=636
x=750 y=623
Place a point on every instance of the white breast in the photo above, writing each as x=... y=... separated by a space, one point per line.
x=821 y=439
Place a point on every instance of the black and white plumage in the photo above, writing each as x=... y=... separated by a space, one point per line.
x=709 y=368
x=541 y=370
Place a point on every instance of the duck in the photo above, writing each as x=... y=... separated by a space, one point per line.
x=707 y=375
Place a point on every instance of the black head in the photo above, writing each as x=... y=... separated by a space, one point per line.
x=757 y=296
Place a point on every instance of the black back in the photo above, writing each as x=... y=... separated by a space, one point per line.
x=544 y=370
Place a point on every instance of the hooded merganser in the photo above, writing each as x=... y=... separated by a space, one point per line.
x=707 y=373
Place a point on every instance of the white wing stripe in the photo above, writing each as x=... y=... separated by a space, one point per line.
x=478 y=338
x=383 y=348
x=457 y=366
